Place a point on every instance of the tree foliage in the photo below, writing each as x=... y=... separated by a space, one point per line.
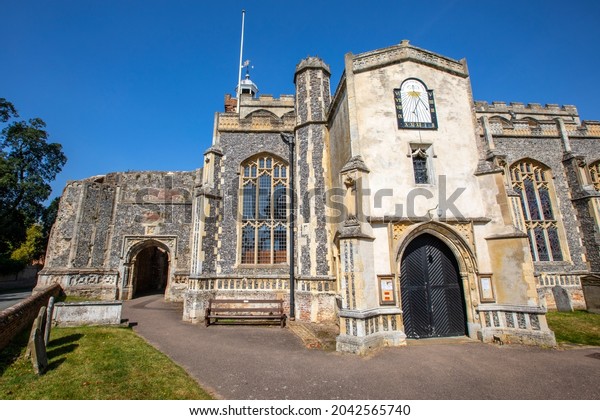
x=28 y=163
x=30 y=249
x=7 y=110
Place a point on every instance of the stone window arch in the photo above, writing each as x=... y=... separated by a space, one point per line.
x=533 y=183
x=498 y=124
x=264 y=212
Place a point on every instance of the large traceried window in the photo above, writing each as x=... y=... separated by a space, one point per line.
x=532 y=182
x=264 y=211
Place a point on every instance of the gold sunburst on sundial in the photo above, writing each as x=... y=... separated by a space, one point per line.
x=414 y=94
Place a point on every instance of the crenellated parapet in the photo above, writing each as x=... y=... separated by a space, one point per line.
x=528 y=127
x=277 y=106
x=533 y=120
x=528 y=109
x=264 y=113
x=257 y=121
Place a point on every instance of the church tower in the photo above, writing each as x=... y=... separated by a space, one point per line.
x=312 y=102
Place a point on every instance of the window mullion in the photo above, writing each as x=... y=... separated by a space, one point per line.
x=256 y=239
x=547 y=240
x=538 y=200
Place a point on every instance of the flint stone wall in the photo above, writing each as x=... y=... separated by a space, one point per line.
x=87 y=247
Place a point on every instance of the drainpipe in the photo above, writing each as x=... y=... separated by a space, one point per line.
x=289 y=140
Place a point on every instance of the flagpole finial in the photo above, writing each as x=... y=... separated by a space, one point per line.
x=238 y=88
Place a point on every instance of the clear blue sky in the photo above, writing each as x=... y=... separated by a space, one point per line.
x=134 y=84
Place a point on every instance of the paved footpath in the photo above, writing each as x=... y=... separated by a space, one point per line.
x=262 y=362
x=12 y=297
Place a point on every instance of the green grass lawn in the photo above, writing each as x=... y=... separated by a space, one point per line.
x=95 y=363
x=579 y=327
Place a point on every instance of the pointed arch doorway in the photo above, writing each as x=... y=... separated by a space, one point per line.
x=150 y=271
x=431 y=290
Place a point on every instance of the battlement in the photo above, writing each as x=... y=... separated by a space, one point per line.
x=523 y=110
x=312 y=63
x=259 y=120
x=534 y=120
x=285 y=103
x=530 y=127
x=248 y=104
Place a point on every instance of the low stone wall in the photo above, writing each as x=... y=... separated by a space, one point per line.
x=570 y=282
x=20 y=316
x=515 y=324
x=575 y=295
x=87 y=313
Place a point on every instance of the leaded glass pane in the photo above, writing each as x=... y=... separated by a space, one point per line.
x=540 y=243
x=264 y=245
x=554 y=243
x=249 y=202
x=248 y=245
x=420 y=169
x=280 y=244
x=279 y=202
x=264 y=197
x=534 y=213
x=519 y=190
x=545 y=203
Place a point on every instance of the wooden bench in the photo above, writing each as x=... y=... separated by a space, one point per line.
x=245 y=310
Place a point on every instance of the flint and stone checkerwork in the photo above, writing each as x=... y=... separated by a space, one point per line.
x=509 y=193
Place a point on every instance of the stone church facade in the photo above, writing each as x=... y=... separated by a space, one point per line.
x=418 y=211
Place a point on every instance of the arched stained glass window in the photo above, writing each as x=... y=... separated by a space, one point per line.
x=264 y=227
x=532 y=182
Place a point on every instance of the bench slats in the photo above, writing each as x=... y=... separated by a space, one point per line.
x=221 y=309
x=217 y=301
x=245 y=317
x=244 y=310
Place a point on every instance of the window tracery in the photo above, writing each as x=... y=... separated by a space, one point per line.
x=532 y=182
x=264 y=184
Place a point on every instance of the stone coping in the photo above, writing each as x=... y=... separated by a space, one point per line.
x=91 y=303
x=368 y=313
x=511 y=308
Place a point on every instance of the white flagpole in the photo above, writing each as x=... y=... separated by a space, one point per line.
x=238 y=93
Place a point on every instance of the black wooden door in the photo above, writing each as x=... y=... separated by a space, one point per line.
x=432 y=296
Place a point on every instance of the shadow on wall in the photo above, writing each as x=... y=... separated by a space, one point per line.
x=24 y=279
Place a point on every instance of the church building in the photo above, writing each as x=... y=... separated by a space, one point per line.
x=395 y=207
